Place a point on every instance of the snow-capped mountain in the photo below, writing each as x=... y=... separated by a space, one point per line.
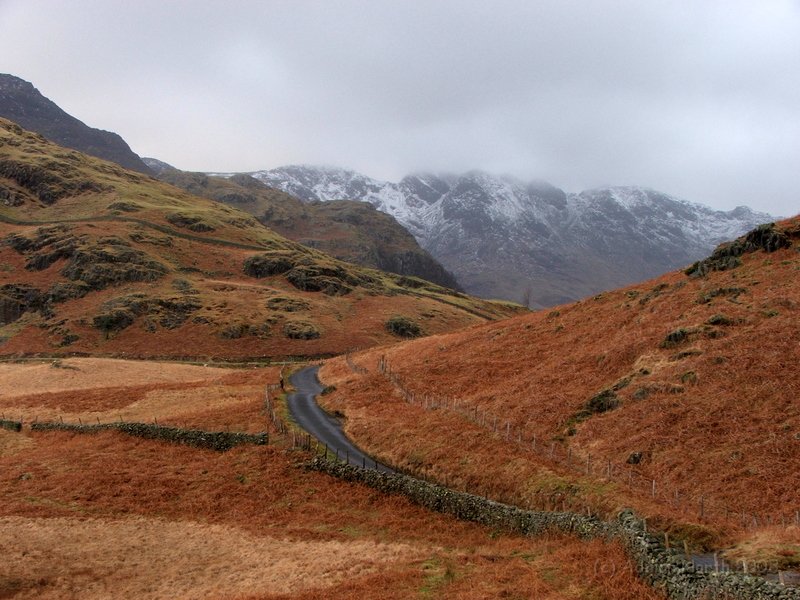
x=506 y=238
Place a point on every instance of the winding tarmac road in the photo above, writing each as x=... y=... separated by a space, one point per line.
x=308 y=415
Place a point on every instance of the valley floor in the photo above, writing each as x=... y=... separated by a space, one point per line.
x=111 y=515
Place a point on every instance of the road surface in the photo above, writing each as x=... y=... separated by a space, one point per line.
x=307 y=414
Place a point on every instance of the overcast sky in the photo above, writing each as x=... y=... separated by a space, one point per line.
x=699 y=99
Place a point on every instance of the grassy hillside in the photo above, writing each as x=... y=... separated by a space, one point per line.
x=100 y=260
x=348 y=230
x=690 y=380
x=107 y=515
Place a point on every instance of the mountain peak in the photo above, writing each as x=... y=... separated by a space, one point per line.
x=12 y=83
x=22 y=103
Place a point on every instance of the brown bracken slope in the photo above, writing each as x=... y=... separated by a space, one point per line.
x=96 y=259
x=106 y=515
x=691 y=381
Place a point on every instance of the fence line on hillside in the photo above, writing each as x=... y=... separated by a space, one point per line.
x=271 y=410
x=348 y=357
x=552 y=452
x=292 y=434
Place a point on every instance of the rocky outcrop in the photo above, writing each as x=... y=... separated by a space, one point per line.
x=17 y=299
x=726 y=256
x=48 y=183
x=168 y=312
x=307 y=273
x=98 y=263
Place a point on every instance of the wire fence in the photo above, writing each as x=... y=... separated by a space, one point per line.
x=555 y=453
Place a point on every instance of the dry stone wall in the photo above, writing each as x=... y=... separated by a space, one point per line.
x=213 y=440
x=10 y=425
x=662 y=567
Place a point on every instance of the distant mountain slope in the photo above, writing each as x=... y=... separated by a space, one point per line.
x=346 y=229
x=101 y=260
x=25 y=105
x=502 y=237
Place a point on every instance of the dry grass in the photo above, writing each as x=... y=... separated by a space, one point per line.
x=81 y=374
x=152 y=503
x=153 y=558
x=109 y=515
x=104 y=390
x=714 y=416
x=771 y=548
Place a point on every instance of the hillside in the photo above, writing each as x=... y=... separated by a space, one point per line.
x=690 y=380
x=25 y=105
x=531 y=241
x=348 y=230
x=97 y=259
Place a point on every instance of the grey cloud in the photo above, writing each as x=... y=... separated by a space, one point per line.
x=699 y=99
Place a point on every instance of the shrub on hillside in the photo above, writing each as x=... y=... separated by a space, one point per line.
x=287 y=304
x=403 y=327
x=301 y=330
x=676 y=337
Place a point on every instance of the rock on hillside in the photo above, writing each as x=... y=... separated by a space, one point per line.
x=507 y=238
x=25 y=105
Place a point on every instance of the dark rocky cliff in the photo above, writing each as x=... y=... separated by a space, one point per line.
x=25 y=105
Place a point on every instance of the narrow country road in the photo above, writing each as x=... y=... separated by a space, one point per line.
x=308 y=415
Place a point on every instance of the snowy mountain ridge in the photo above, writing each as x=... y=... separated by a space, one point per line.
x=503 y=237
